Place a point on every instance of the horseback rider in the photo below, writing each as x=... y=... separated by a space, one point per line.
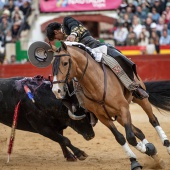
x=73 y=30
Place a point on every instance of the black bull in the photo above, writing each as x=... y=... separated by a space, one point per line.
x=47 y=116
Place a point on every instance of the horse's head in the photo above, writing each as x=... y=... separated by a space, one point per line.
x=62 y=71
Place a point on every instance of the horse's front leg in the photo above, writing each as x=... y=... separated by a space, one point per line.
x=144 y=147
x=122 y=141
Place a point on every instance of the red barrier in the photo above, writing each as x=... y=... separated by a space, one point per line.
x=26 y=70
x=149 y=67
x=153 y=67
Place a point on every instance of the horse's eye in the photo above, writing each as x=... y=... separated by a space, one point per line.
x=65 y=63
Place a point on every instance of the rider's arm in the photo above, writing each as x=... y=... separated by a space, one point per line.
x=73 y=28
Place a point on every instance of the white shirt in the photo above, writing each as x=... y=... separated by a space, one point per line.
x=137 y=29
x=121 y=34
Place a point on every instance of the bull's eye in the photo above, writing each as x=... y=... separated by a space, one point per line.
x=65 y=63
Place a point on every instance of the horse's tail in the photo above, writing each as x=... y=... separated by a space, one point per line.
x=159 y=94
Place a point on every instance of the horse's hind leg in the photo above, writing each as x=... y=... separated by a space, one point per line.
x=122 y=141
x=154 y=121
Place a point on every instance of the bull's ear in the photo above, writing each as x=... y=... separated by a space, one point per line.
x=63 y=45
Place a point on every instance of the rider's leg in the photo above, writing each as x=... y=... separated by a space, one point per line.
x=132 y=85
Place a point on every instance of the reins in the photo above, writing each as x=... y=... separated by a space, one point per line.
x=102 y=102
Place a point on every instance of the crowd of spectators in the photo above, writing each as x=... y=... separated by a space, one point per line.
x=144 y=23
x=13 y=20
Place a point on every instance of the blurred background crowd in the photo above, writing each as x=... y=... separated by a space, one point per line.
x=13 y=20
x=143 y=23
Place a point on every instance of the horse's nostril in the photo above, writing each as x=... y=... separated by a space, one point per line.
x=59 y=91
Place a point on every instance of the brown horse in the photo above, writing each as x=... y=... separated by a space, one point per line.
x=104 y=95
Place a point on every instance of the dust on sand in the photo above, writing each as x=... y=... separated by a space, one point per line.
x=33 y=151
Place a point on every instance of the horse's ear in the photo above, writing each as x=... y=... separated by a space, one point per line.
x=63 y=45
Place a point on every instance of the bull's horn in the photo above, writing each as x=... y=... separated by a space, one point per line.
x=74 y=117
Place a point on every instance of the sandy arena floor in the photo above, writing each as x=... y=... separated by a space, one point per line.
x=35 y=152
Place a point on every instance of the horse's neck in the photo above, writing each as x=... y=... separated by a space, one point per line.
x=93 y=77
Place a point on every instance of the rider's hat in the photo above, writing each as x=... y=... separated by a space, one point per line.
x=39 y=55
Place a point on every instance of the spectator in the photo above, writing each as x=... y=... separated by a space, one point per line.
x=2 y=5
x=8 y=37
x=129 y=13
x=141 y=15
x=130 y=30
x=143 y=40
x=155 y=15
x=15 y=30
x=159 y=6
x=167 y=26
x=17 y=19
x=146 y=33
x=165 y=38
x=122 y=8
x=148 y=24
x=150 y=48
x=5 y=26
x=126 y=21
x=160 y=24
x=26 y=8
x=167 y=12
x=19 y=3
x=132 y=39
x=120 y=35
x=154 y=28
x=133 y=7
x=145 y=8
x=137 y=27
x=155 y=39
x=5 y=14
x=13 y=60
x=11 y=6
x=18 y=11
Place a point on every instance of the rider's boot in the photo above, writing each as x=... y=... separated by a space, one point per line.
x=138 y=91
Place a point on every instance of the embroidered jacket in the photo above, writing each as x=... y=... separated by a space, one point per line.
x=72 y=26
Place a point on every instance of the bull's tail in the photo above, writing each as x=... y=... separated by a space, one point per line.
x=159 y=94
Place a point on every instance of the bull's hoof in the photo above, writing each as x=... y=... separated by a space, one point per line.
x=150 y=149
x=71 y=158
x=82 y=156
x=135 y=166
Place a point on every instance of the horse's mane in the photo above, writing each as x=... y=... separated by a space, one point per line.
x=82 y=47
x=73 y=44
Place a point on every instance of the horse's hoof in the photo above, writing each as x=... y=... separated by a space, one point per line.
x=82 y=156
x=135 y=165
x=150 y=149
x=160 y=162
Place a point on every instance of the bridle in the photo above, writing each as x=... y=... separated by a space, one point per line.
x=65 y=81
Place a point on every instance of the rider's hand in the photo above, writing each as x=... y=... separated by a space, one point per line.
x=71 y=38
x=53 y=49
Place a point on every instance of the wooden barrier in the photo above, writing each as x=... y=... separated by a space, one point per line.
x=27 y=70
x=149 y=67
